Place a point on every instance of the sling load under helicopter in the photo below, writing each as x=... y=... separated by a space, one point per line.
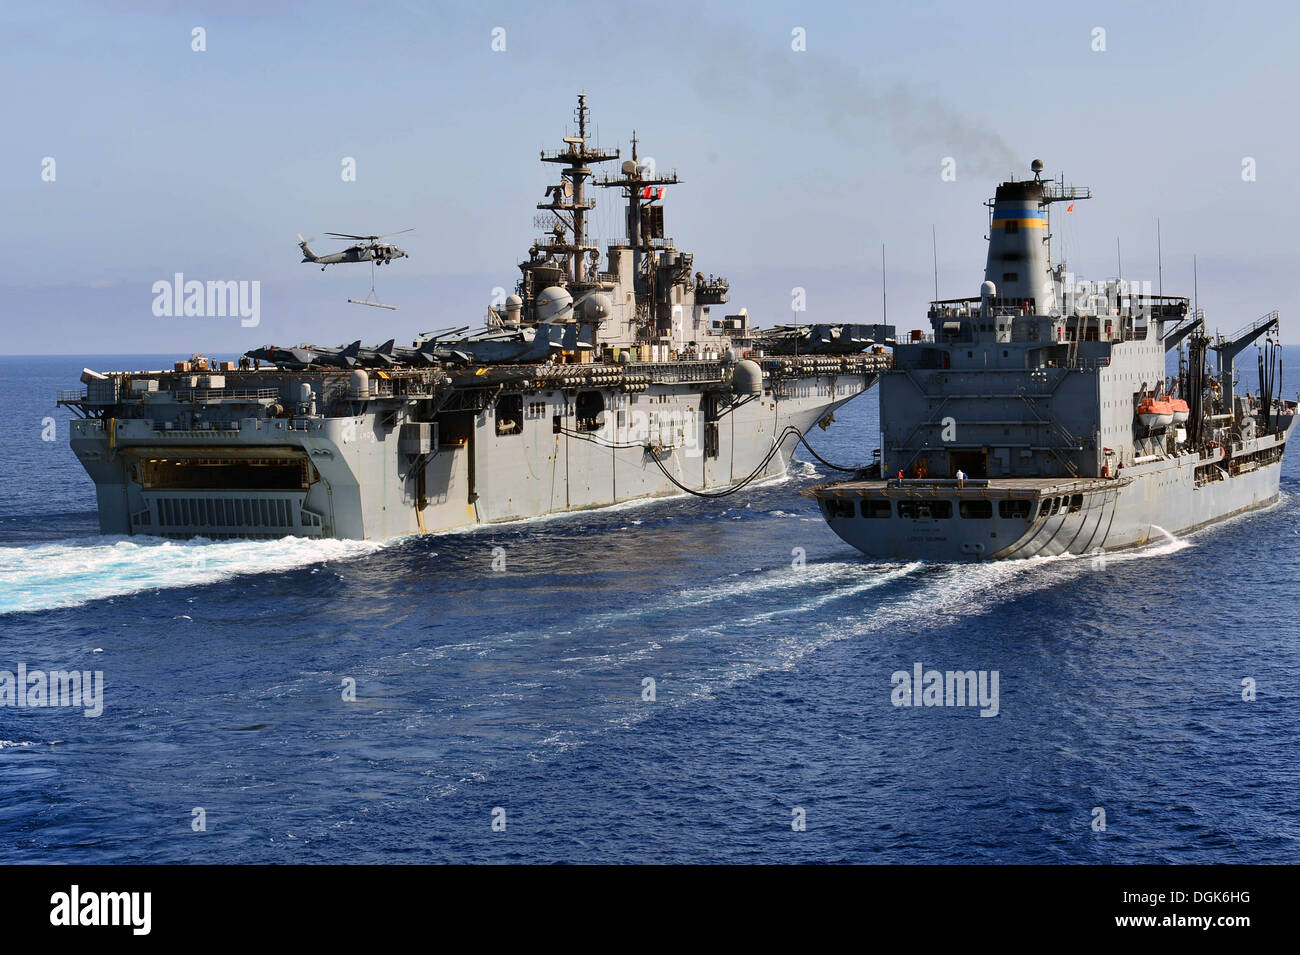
x=368 y=248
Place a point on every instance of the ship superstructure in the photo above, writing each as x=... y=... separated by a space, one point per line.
x=1038 y=418
x=591 y=385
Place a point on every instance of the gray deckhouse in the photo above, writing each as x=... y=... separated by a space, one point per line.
x=959 y=398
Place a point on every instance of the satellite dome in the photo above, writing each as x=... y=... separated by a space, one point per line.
x=514 y=309
x=554 y=302
x=1036 y=165
x=596 y=308
x=359 y=385
x=747 y=379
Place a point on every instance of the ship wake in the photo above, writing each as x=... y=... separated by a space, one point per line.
x=73 y=572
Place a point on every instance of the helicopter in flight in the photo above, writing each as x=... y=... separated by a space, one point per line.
x=369 y=248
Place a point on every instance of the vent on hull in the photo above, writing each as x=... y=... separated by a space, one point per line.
x=262 y=516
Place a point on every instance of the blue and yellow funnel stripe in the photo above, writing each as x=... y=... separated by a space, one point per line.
x=1024 y=218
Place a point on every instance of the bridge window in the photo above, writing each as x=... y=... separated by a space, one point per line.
x=925 y=509
x=839 y=509
x=1012 y=509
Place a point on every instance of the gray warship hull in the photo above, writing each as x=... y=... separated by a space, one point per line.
x=1048 y=517
x=415 y=454
x=589 y=386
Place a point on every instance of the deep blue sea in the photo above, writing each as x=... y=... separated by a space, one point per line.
x=517 y=695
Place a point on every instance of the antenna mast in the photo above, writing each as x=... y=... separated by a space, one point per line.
x=571 y=195
x=1196 y=290
x=884 y=303
x=638 y=193
x=1160 y=262
x=934 y=245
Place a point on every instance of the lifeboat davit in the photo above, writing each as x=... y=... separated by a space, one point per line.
x=1156 y=412
x=1181 y=411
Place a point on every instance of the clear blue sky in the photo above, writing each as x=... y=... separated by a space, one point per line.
x=796 y=166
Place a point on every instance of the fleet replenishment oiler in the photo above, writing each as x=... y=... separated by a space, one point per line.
x=1039 y=419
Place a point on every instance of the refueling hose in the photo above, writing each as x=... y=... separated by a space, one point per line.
x=776 y=446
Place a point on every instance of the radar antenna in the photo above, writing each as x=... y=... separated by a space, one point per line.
x=571 y=196
x=638 y=188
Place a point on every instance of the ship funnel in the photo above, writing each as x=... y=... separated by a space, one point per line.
x=1018 y=254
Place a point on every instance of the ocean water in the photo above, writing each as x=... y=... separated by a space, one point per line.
x=516 y=695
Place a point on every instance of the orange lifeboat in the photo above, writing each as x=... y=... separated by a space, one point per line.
x=1156 y=412
x=1181 y=411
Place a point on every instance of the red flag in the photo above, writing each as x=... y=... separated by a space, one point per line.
x=1070 y=208
x=645 y=193
x=662 y=191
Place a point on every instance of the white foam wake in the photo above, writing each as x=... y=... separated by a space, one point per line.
x=72 y=572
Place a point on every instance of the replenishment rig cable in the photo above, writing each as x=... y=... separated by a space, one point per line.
x=833 y=467
x=753 y=475
x=776 y=446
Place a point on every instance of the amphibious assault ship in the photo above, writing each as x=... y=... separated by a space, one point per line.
x=587 y=387
x=1039 y=419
